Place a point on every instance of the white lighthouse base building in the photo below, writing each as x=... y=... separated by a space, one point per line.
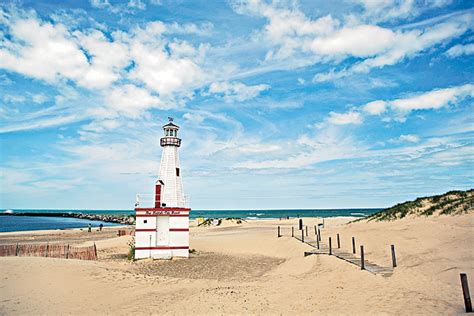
x=161 y=233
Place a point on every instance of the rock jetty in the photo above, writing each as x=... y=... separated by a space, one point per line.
x=119 y=219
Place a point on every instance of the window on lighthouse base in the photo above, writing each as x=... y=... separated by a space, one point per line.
x=177 y=172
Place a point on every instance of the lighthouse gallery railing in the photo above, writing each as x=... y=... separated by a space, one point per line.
x=148 y=200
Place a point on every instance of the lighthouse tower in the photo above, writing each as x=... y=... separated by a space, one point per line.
x=162 y=226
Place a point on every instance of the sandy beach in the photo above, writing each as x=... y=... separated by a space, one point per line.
x=246 y=269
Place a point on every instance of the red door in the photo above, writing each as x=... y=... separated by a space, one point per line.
x=158 y=196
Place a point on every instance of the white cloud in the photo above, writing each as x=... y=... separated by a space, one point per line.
x=42 y=50
x=10 y=98
x=157 y=68
x=136 y=4
x=99 y=3
x=384 y=10
x=98 y=126
x=409 y=138
x=299 y=39
x=351 y=117
x=258 y=148
x=353 y=41
x=132 y=101
x=375 y=107
x=403 y=44
x=459 y=50
x=51 y=52
x=430 y=100
x=104 y=68
x=40 y=123
x=39 y=98
x=326 y=145
x=434 y=99
x=236 y=91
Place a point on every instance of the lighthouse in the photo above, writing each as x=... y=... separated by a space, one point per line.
x=162 y=218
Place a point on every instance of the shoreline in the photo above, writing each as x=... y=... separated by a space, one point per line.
x=57 y=230
x=193 y=224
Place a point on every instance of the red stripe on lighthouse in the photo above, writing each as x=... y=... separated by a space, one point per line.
x=154 y=215
x=155 y=230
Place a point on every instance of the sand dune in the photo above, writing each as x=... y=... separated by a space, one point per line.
x=247 y=269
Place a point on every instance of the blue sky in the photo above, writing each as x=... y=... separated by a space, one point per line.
x=291 y=104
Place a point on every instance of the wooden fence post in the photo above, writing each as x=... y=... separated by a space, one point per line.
x=46 y=251
x=353 y=245
x=330 y=246
x=338 y=242
x=95 y=251
x=300 y=224
x=306 y=230
x=394 y=259
x=362 y=264
x=292 y=231
x=279 y=232
x=465 y=293
x=302 y=235
x=317 y=242
x=315 y=231
x=67 y=252
x=17 y=252
x=319 y=234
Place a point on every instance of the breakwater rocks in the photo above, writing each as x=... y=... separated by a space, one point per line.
x=119 y=219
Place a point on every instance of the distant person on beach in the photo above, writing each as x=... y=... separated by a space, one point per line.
x=100 y=226
x=90 y=227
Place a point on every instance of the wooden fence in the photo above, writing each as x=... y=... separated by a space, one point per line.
x=49 y=250
x=125 y=232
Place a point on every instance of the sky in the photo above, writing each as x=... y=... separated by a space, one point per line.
x=284 y=104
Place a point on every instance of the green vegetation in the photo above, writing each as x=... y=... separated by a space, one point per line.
x=450 y=203
x=210 y=221
x=131 y=250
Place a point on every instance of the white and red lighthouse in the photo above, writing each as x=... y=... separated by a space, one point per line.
x=162 y=226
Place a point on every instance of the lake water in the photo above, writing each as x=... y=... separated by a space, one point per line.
x=22 y=223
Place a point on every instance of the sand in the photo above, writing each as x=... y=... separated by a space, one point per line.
x=247 y=269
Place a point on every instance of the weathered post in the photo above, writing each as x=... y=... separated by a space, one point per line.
x=330 y=246
x=317 y=242
x=292 y=231
x=67 y=252
x=466 y=294
x=315 y=231
x=362 y=264
x=46 y=251
x=306 y=231
x=302 y=235
x=300 y=224
x=319 y=234
x=353 y=245
x=95 y=251
x=338 y=242
x=394 y=259
x=279 y=232
x=17 y=252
